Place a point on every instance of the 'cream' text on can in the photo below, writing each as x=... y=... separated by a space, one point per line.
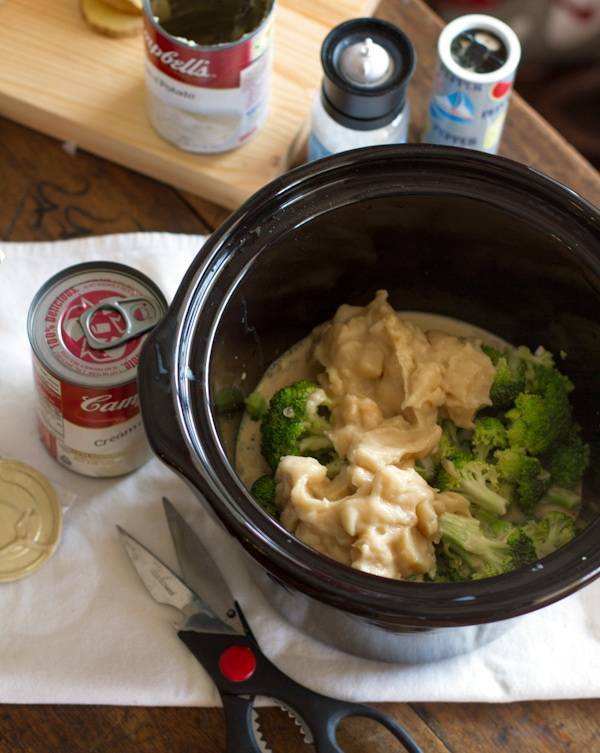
x=478 y=59
x=208 y=70
x=86 y=327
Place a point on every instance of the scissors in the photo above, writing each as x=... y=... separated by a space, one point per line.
x=220 y=638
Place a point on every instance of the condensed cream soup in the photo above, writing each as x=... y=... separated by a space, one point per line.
x=391 y=376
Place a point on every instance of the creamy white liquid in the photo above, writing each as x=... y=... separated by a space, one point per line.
x=297 y=363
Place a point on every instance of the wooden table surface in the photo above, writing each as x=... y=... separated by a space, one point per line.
x=47 y=193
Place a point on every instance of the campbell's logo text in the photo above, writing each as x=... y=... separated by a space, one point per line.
x=106 y=404
x=194 y=66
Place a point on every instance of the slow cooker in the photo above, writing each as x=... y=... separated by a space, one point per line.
x=446 y=231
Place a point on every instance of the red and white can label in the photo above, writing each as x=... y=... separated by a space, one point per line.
x=207 y=99
x=97 y=432
x=82 y=326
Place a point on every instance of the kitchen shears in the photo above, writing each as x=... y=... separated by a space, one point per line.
x=221 y=640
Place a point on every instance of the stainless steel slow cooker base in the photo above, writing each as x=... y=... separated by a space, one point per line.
x=345 y=632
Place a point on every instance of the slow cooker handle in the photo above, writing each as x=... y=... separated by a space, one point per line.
x=157 y=403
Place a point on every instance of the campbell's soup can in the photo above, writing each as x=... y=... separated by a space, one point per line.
x=86 y=327
x=478 y=56
x=208 y=70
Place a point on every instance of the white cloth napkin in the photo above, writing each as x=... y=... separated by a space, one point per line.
x=83 y=629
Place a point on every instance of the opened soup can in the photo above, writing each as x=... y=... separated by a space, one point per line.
x=208 y=70
x=86 y=327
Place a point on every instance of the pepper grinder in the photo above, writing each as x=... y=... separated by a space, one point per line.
x=367 y=64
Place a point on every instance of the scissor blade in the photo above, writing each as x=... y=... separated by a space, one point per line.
x=166 y=587
x=199 y=569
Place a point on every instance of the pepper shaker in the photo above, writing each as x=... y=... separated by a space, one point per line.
x=367 y=64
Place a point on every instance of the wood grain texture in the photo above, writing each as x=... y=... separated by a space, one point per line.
x=62 y=78
x=542 y=727
x=48 y=194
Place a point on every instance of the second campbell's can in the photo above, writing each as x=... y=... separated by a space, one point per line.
x=208 y=70
x=86 y=327
x=478 y=56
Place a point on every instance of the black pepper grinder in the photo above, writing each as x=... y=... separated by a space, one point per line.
x=367 y=64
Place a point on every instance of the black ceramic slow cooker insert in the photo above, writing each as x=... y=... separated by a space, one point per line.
x=447 y=231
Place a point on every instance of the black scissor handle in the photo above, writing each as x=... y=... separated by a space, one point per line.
x=337 y=711
x=256 y=675
x=238 y=724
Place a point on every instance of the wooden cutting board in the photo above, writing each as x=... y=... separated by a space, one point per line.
x=60 y=77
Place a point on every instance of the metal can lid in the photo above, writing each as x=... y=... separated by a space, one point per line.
x=87 y=324
x=30 y=520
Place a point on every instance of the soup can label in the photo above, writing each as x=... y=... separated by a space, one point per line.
x=478 y=57
x=207 y=98
x=86 y=326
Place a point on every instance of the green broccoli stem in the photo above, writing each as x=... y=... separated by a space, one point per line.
x=481 y=495
x=566 y=498
x=464 y=534
x=462 y=531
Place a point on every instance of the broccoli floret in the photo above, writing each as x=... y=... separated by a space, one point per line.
x=509 y=463
x=296 y=424
x=489 y=434
x=519 y=370
x=451 y=442
x=541 y=371
x=525 y=473
x=263 y=491
x=551 y=532
x=492 y=353
x=541 y=357
x=484 y=556
x=538 y=421
x=509 y=379
x=256 y=406
x=450 y=567
x=446 y=477
x=522 y=549
x=541 y=378
x=541 y=415
x=474 y=478
x=566 y=498
x=229 y=400
x=568 y=460
x=492 y=525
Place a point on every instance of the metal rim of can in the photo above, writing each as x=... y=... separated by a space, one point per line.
x=63 y=276
x=208 y=47
x=485 y=23
x=32 y=486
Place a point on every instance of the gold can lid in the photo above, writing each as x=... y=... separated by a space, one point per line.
x=30 y=520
